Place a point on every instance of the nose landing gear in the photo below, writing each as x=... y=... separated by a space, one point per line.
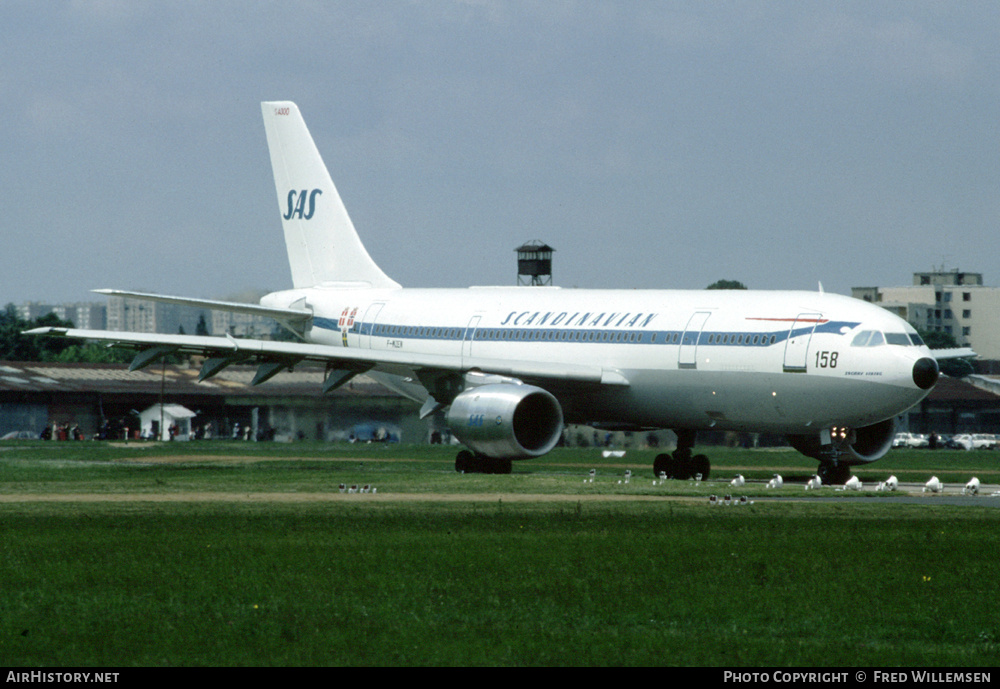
x=834 y=473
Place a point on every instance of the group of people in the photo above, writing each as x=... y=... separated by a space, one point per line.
x=120 y=430
x=62 y=431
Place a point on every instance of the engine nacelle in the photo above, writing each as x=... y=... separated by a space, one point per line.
x=506 y=420
x=857 y=445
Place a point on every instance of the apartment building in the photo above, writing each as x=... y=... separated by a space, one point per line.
x=954 y=302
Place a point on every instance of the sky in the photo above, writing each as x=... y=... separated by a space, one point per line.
x=652 y=144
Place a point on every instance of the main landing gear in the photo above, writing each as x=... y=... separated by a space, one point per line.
x=682 y=465
x=469 y=463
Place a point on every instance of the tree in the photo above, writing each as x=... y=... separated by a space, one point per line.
x=727 y=284
x=15 y=346
x=93 y=353
x=939 y=339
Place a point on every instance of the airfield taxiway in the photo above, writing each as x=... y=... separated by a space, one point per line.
x=906 y=493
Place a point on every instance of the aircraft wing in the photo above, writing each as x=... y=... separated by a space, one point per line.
x=274 y=356
x=953 y=353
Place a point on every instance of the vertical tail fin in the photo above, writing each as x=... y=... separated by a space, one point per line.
x=323 y=246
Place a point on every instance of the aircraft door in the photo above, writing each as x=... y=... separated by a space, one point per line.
x=368 y=324
x=688 y=351
x=797 y=345
x=470 y=334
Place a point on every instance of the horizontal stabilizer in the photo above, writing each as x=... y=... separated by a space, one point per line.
x=286 y=314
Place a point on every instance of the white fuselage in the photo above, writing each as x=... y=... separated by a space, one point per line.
x=737 y=360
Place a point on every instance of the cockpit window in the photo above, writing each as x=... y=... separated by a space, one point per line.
x=875 y=338
x=868 y=338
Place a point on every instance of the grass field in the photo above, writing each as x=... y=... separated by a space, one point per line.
x=248 y=554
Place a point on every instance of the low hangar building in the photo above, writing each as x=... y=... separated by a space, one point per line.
x=102 y=398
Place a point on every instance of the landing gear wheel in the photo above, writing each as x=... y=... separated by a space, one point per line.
x=833 y=474
x=468 y=463
x=498 y=465
x=465 y=462
x=663 y=464
x=676 y=467
x=700 y=465
x=683 y=464
x=671 y=467
x=682 y=468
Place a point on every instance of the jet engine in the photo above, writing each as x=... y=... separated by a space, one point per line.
x=850 y=445
x=506 y=420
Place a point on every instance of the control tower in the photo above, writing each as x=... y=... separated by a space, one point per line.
x=534 y=263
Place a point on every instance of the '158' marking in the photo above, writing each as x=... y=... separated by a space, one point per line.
x=826 y=359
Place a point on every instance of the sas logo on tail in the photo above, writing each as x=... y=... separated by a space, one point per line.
x=297 y=204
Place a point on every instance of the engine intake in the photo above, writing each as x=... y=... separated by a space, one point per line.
x=859 y=445
x=506 y=420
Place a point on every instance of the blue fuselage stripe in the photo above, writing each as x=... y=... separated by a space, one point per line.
x=706 y=338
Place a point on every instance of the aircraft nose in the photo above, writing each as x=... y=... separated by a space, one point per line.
x=925 y=373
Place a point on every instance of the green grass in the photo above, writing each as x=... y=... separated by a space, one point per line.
x=85 y=467
x=577 y=580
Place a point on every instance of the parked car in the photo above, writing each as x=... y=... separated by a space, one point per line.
x=910 y=440
x=973 y=441
x=961 y=441
x=20 y=435
x=983 y=441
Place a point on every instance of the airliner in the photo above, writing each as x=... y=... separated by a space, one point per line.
x=508 y=367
